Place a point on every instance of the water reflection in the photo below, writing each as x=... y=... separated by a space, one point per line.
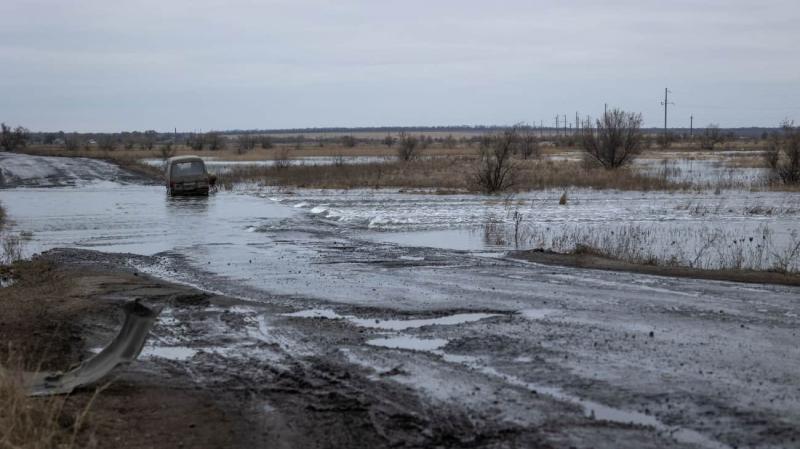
x=188 y=204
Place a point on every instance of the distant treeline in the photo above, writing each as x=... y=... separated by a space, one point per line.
x=147 y=139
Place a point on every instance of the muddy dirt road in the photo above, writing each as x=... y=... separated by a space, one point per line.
x=341 y=340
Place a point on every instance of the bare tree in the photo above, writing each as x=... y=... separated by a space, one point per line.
x=11 y=140
x=388 y=140
x=167 y=150
x=215 y=141
x=195 y=142
x=282 y=158
x=527 y=145
x=449 y=141
x=496 y=167
x=73 y=142
x=349 y=141
x=245 y=143
x=298 y=141
x=409 y=147
x=783 y=154
x=107 y=142
x=712 y=136
x=615 y=140
x=149 y=139
x=266 y=142
x=665 y=140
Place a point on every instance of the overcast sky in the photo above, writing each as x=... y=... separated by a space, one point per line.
x=102 y=65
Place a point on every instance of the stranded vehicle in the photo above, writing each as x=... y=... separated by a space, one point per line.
x=187 y=175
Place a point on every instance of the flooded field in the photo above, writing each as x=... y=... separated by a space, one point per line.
x=653 y=223
x=218 y=166
x=411 y=293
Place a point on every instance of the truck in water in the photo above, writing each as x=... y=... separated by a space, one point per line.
x=187 y=175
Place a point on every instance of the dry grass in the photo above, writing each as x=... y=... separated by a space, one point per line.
x=40 y=422
x=257 y=154
x=40 y=316
x=451 y=173
x=29 y=423
x=700 y=247
x=39 y=330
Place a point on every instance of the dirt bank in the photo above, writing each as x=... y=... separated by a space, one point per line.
x=583 y=260
x=54 y=315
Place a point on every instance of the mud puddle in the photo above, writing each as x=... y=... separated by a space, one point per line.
x=392 y=325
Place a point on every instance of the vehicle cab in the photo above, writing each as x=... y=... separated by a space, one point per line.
x=187 y=175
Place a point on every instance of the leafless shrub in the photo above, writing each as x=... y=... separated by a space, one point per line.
x=282 y=158
x=245 y=143
x=788 y=259
x=149 y=139
x=409 y=147
x=195 y=142
x=388 y=140
x=495 y=171
x=711 y=137
x=665 y=140
x=527 y=144
x=12 y=247
x=349 y=141
x=701 y=247
x=449 y=141
x=12 y=139
x=73 y=142
x=615 y=140
x=107 y=142
x=338 y=160
x=167 y=150
x=215 y=141
x=298 y=141
x=266 y=142
x=783 y=155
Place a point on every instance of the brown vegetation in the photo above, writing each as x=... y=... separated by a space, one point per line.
x=446 y=173
x=39 y=328
x=496 y=167
x=48 y=318
x=615 y=140
x=408 y=147
x=783 y=155
x=12 y=139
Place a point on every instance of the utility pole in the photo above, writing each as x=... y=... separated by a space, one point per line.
x=691 y=126
x=577 y=122
x=565 y=125
x=558 y=128
x=666 y=103
x=541 y=128
x=605 y=109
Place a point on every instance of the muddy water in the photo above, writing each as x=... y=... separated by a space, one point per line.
x=132 y=218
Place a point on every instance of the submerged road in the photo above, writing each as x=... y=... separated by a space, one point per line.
x=429 y=347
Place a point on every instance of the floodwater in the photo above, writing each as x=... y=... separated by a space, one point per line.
x=132 y=218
